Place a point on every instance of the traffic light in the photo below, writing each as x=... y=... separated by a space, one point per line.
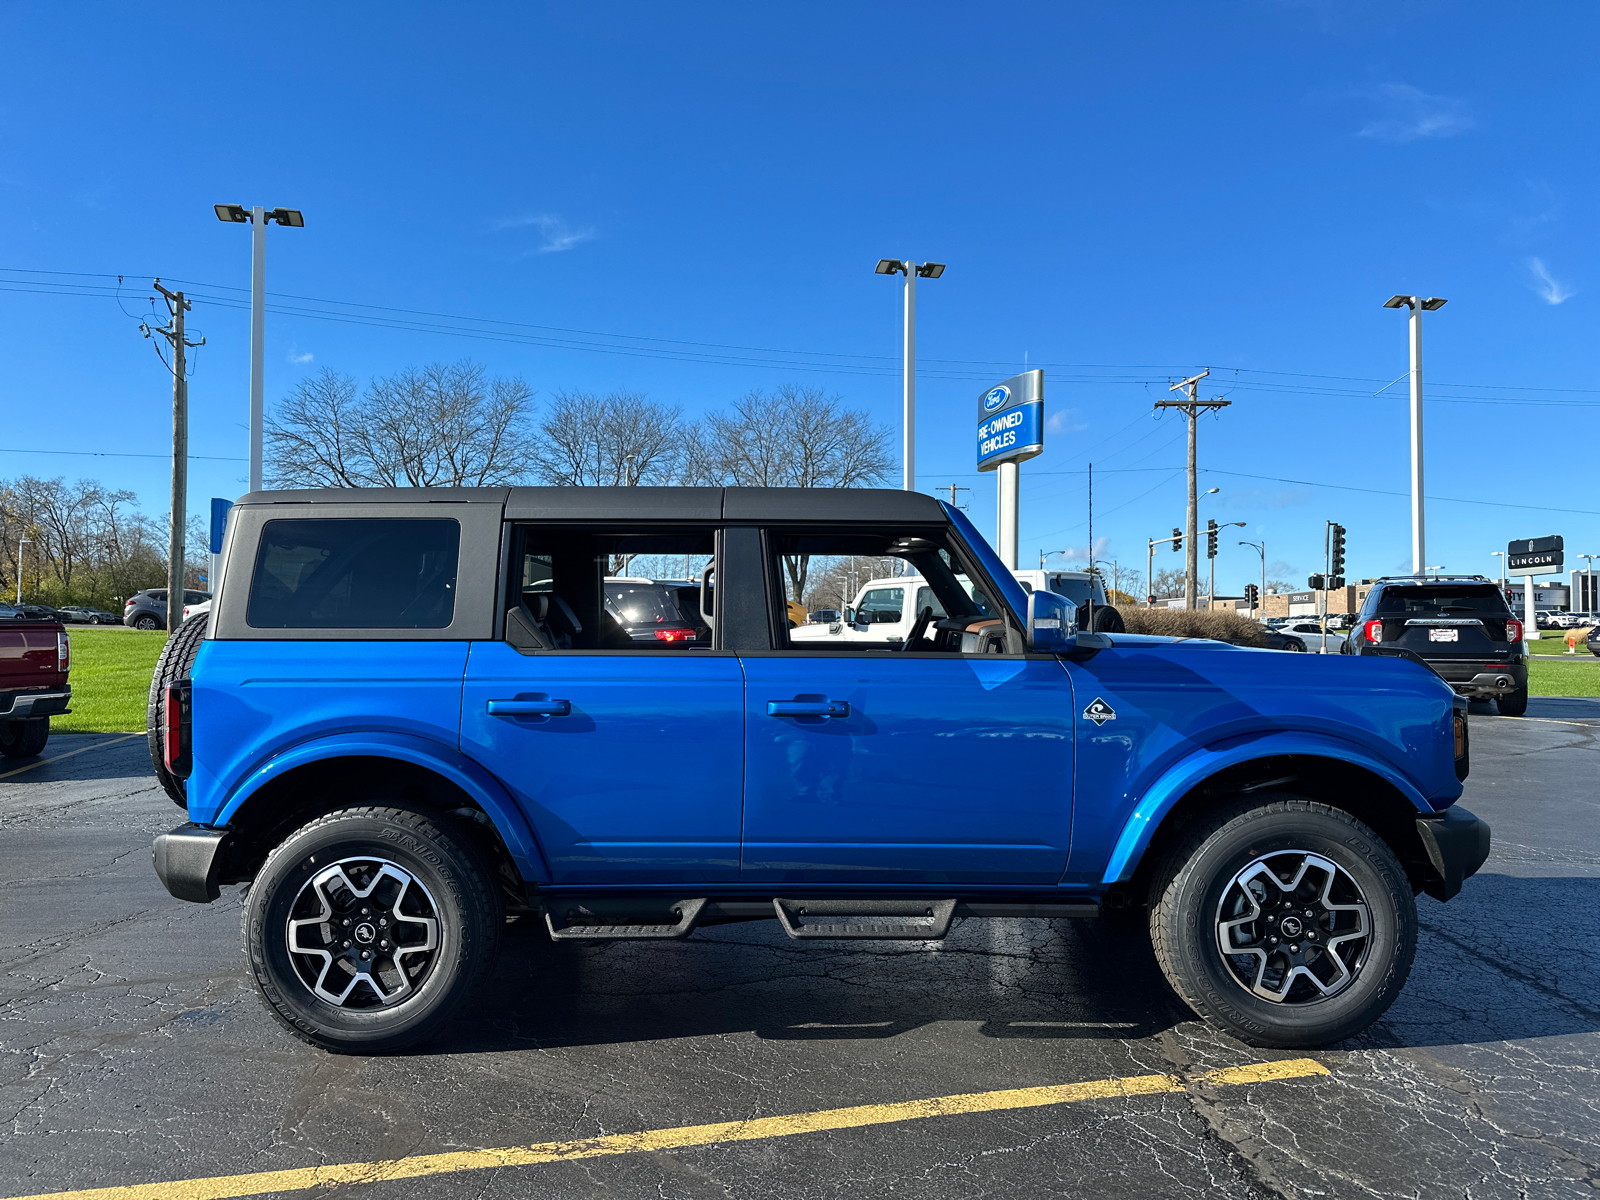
x=1211 y=538
x=1252 y=594
x=1336 y=553
x=1317 y=583
x=1177 y=539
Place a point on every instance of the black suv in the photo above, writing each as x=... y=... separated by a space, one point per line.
x=1462 y=628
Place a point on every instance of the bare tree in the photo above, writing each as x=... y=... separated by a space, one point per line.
x=791 y=437
x=443 y=425
x=86 y=544
x=623 y=439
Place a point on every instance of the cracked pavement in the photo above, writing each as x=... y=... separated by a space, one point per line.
x=133 y=1050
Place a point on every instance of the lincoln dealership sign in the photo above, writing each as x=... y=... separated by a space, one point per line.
x=1536 y=556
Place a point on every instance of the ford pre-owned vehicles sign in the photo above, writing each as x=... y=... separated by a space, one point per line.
x=1011 y=420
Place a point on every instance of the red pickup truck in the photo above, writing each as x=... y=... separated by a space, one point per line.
x=34 y=659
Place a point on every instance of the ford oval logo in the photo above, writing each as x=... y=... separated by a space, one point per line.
x=996 y=398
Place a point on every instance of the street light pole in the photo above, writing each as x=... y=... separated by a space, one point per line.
x=1501 y=555
x=1416 y=304
x=258 y=217
x=908 y=433
x=21 y=542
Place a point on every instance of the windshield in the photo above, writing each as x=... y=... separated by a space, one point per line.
x=1439 y=601
x=641 y=603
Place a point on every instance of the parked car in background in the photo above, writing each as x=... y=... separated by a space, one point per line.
x=196 y=610
x=1544 y=618
x=647 y=611
x=148 y=609
x=35 y=656
x=1310 y=633
x=1593 y=641
x=7 y=612
x=36 y=612
x=1278 y=640
x=1462 y=628
x=79 y=614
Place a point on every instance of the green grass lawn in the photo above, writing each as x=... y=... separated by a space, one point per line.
x=110 y=679
x=1564 y=677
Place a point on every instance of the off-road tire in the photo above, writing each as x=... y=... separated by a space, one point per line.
x=457 y=875
x=24 y=739
x=176 y=661
x=1512 y=704
x=1183 y=913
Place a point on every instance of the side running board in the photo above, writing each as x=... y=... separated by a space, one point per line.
x=923 y=920
x=586 y=919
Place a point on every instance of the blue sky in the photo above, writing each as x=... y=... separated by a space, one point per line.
x=1124 y=195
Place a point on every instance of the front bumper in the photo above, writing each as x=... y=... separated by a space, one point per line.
x=1457 y=843
x=186 y=861
x=45 y=703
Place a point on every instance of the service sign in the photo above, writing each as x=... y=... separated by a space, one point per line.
x=1536 y=556
x=1011 y=420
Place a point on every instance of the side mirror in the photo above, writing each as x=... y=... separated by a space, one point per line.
x=1051 y=619
x=849 y=615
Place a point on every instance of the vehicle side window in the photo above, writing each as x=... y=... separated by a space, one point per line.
x=888 y=584
x=575 y=588
x=356 y=573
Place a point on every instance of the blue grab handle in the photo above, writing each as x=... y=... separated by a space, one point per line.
x=530 y=708
x=808 y=708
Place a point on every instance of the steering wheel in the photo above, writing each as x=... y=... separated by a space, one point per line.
x=924 y=618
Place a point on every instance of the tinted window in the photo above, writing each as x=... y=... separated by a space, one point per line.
x=1442 y=600
x=355 y=574
x=1076 y=590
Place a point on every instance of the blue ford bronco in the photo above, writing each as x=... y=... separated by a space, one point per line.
x=412 y=714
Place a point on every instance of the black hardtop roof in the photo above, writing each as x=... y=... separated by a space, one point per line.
x=644 y=503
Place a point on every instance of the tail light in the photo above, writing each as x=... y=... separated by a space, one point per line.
x=674 y=635
x=1373 y=630
x=1513 y=630
x=63 y=653
x=127 y=603
x=175 y=728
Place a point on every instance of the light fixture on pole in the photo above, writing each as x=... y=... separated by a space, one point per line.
x=21 y=542
x=1418 y=305
x=258 y=216
x=912 y=271
x=1434 y=569
x=1501 y=555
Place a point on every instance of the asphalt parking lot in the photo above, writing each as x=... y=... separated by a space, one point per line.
x=135 y=1054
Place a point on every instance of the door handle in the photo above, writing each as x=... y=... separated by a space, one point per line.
x=808 y=708
x=530 y=708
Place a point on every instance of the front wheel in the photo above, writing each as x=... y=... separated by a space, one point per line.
x=369 y=927
x=146 y=622
x=1285 y=923
x=1512 y=704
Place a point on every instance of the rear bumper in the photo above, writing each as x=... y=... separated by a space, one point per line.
x=186 y=861
x=1457 y=844
x=17 y=706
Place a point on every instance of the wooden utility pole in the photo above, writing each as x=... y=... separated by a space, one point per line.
x=953 y=490
x=173 y=333
x=1191 y=408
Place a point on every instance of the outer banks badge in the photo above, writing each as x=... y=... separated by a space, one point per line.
x=1099 y=712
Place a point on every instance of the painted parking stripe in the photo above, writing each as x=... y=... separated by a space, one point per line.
x=69 y=754
x=223 y=1187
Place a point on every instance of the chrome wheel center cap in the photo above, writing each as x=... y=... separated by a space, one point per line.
x=1291 y=927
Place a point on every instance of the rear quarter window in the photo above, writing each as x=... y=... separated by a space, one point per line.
x=357 y=573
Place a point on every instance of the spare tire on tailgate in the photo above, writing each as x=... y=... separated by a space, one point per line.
x=176 y=661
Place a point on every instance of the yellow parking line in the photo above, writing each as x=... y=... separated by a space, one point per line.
x=70 y=753
x=223 y=1187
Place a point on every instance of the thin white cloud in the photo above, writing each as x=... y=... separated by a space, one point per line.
x=1550 y=290
x=555 y=234
x=1064 y=420
x=296 y=357
x=1410 y=114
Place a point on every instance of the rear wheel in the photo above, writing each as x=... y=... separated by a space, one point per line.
x=146 y=622
x=24 y=739
x=1284 y=922
x=1512 y=704
x=369 y=927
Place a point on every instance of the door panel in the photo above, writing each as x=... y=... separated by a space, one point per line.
x=636 y=779
x=942 y=769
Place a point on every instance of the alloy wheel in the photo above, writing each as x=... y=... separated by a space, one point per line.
x=363 y=933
